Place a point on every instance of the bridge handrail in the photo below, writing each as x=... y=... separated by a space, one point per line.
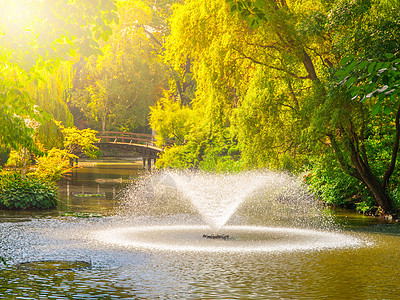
x=112 y=138
x=129 y=137
x=126 y=134
x=126 y=137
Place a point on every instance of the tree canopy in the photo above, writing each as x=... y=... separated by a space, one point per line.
x=35 y=37
x=114 y=91
x=295 y=83
x=304 y=86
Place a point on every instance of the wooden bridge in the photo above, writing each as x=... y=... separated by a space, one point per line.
x=141 y=143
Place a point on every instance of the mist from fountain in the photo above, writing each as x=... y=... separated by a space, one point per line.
x=258 y=210
x=217 y=196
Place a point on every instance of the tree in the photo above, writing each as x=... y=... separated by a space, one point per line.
x=114 y=92
x=337 y=121
x=51 y=94
x=284 y=63
x=223 y=52
x=171 y=120
x=35 y=37
x=77 y=141
x=373 y=83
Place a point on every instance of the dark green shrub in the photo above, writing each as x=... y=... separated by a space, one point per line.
x=4 y=154
x=28 y=193
x=333 y=186
x=329 y=181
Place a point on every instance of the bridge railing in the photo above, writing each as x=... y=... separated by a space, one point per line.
x=126 y=138
x=129 y=138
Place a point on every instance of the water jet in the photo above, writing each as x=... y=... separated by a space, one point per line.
x=220 y=199
x=149 y=244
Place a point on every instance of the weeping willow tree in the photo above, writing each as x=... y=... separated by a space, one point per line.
x=51 y=94
x=35 y=37
x=266 y=72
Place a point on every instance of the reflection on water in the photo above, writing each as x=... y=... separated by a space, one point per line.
x=369 y=271
x=130 y=274
x=93 y=187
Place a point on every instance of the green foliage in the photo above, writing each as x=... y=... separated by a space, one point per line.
x=29 y=193
x=14 y=133
x=267 y=72
x=268 y=123
x=76 y=140
x=35 y=37
x=372 y=78
x=40 y=33
x=327 y=181
x=82 y=215
x=216 y=162
x=4 y=155
x=15 y=159
x=171 y=120
x=56 y=162
x=365 y=206
x=177 y=157
x=217 y=151
x=113 y=92
x=334 y=186
x=89 y=195
x=52 y=95
x=364 y=26
x=52 y=166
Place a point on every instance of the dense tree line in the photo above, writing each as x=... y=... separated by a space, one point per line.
x=309 y=85
x=39 y=40
x=303 y=86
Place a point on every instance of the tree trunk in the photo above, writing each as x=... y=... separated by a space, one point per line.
x=374 y=185
x=379 y=193
x=24 y=167
x=309 y=65
x=103 y=121
x=362 y=171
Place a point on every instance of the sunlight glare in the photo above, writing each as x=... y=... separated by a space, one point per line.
x=16 y=12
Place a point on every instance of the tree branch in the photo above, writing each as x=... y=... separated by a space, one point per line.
x=339 y=155
x=326 y=62
x=152 y=36
x=395 y=151
x=265 y=46
x=293 y=94
x=272 y=67
x=309 y=65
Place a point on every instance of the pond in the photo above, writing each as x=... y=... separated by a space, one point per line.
x=98 y=245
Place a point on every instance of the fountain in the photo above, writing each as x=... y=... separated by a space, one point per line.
x=181 y=196
x=216 y=196
x=266 y=239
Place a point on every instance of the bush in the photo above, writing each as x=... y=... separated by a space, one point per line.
x=219 y=163
x=177 y=157
x=4 y=154
x=15 y=159
x=17 y=192
x=53 y=166
x=333 y=186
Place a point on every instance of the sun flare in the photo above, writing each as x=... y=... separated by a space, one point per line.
x=18 y=13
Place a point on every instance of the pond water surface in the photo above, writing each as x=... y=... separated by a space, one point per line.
x=368 y=270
